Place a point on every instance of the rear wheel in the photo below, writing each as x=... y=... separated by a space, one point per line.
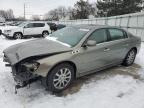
x=45 y=33
x=129 y=60
x=60 y=77
x=18 y=35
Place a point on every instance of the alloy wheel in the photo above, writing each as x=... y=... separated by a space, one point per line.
x=18 y=36
x=62 y=78
x=45 y=34
x=131 y=57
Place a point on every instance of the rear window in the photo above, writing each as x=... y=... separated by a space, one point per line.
x=50 y=24
x=39 y=25
x=116 y=34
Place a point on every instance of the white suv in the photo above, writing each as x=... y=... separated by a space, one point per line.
x=27 y=29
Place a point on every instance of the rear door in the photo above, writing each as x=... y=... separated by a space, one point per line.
x=38 y=28
x=118 y=44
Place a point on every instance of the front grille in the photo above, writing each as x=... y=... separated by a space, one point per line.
x=21 y=74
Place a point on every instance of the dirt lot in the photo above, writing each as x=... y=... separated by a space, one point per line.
x=121 y=87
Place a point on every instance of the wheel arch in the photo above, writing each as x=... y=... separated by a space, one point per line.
x=45 y=31
x=135 y=48
x=123 y=63
x=17 y=32
x=69 y=62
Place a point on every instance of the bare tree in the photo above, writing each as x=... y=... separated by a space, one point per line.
x=62 y=11
x=35 y=18
x=56 y=14
x=51 y=15
x=8 y=15
x=82 y=10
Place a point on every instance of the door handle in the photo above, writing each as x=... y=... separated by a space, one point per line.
x=106 y=49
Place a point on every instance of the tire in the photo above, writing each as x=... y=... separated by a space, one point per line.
x=60 y=78
x=130 y=57
x=45 y=33
x=18 y=36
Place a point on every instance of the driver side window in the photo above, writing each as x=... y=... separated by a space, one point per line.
x=99 y=36
x=30 y=25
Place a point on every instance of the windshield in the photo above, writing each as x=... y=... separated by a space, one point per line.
x=69 y=35
x=22 y=24
x=18 y=23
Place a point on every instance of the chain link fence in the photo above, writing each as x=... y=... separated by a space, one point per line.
x=134 y=23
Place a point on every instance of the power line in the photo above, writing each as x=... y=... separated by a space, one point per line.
x=24 y=11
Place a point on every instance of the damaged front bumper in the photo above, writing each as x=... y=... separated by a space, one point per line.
x=24 y=78
x=21 y=75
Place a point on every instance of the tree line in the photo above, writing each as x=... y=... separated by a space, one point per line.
x=101 y=8
x=8 y=14
x=82 y=9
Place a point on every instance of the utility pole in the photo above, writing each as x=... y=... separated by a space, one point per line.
x=24 y=12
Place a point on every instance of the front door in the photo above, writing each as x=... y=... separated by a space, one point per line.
x=29 y=29
x=94 y=57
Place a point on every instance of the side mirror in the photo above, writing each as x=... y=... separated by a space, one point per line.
x=91 y=43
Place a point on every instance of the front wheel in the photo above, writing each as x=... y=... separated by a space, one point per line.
x=129 y=60
x=18 y=35
x=60 y=77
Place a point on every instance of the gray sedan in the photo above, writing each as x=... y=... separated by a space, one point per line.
x=70 y=53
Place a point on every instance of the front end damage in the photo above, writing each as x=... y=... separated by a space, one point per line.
x=23 y=57
x=23 y=72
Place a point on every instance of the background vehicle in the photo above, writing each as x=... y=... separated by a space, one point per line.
x=60 y=26
x=27 y=29
x=53 y=26
x=2 y=23
x=16 y=23
x=70 y=53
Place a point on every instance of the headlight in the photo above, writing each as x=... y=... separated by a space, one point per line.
x=7 y=31
x=32 y=66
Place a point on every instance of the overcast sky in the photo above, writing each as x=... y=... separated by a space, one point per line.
x=35 y=7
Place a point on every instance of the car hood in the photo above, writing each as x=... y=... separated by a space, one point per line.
x=39 y=47
x=8 y=28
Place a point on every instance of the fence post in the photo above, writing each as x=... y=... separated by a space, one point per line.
x=128 y=21
x=137 y=26
x=115 y=20
x=120 y=22
x=106 y=21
